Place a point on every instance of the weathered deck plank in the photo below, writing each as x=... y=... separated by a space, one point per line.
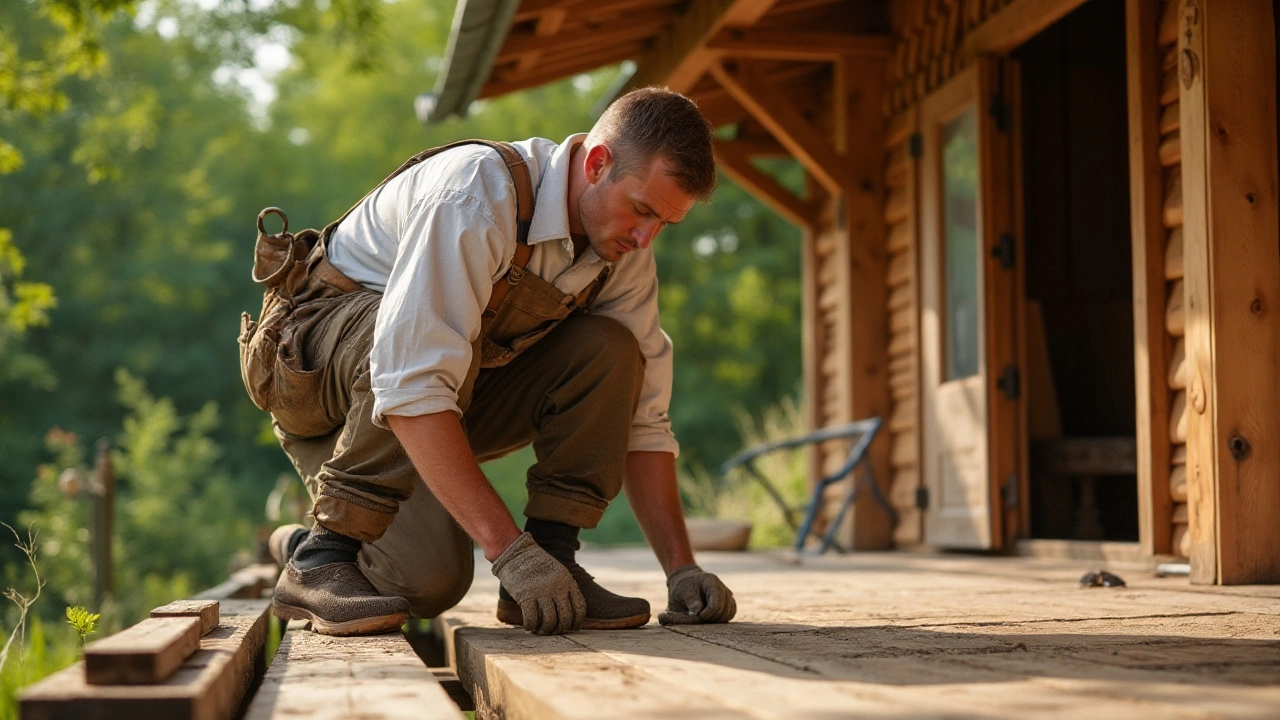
x=211 y=684
x=889 y=635
x=320 y=677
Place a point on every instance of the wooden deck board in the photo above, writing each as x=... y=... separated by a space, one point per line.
x=889 y=635
x=378 y=676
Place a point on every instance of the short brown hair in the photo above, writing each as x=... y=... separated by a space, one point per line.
x=656 y=122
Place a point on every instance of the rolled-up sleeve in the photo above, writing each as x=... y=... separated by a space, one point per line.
x=631 y=298
x=440 y=282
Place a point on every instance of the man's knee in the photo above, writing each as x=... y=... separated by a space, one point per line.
x=603 y=341
x=430 y=587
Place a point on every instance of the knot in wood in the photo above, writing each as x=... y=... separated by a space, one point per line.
x=1195 y=394
x=1239 y=447
x=1251 y=198
x=1187 y=67
x=1258 y=306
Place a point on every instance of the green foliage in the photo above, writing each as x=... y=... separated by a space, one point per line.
x=84 y=622
x=49 y=647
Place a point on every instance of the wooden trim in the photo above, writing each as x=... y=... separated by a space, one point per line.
x=735 y=161
x=1228 y=131
x=802 y=46
x=1146 y=195
x=772 y=109
x=1012 y=26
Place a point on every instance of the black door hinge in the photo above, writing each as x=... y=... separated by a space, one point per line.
x=1009 y=493
x=922 y=497
x=1005 y=251
x=915 y=144
x=1010 y=382
x=1000 y=112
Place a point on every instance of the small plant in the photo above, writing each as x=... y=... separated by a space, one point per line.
x=23 y=602
x=84 y=622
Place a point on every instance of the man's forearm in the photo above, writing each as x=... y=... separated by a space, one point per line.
x=655 y=499
x=439 y=450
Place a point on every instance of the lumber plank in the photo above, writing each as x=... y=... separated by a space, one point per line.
x=805 y=46
x=210 y=685
x=206 y=610
x=1174 y=265
x=1146 y=191
x=144 y=654
x=328 y=678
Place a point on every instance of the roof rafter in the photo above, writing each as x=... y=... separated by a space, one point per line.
x=735 y=161
x=679 y=58
x=792 y=45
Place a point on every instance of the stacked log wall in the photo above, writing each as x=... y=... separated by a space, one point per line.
x=1175 y=315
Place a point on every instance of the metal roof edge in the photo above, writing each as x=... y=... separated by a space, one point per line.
x=479 y=28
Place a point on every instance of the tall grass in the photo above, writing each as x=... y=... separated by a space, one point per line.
x=48 y=648
x=739 y=496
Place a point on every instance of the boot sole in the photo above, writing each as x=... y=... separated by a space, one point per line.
x=509 y=613
x=359 y=626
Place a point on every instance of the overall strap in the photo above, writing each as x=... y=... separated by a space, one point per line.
x=519 y=170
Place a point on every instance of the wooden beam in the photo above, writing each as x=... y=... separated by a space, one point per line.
x=206 y=610
x=1146 y=195
x=1232 y=219
x=617 y=31
x=801 y=46
x=679 y=58
x=735 y=161
x=859 y=137
x=550 y=22
x=772 y=109
x=143 y=654
x=1012 y=26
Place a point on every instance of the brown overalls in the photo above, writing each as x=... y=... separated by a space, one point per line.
x=306 y=360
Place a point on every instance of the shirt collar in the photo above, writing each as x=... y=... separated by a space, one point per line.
x=551 y=214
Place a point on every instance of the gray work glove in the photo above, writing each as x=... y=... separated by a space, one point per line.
x=549 y=599
x=695 y=596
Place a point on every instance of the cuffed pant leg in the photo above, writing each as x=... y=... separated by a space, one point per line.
x=573 y=395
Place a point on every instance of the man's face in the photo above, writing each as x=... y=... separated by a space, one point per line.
x=621 y=213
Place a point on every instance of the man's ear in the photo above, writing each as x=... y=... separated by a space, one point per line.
x=597 y=163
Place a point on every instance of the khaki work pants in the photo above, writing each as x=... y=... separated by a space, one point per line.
x=572 y=395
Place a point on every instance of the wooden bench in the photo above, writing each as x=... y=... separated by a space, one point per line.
x=205 y=659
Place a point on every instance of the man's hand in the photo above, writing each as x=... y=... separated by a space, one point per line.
x=695 y=596
x=549 y=599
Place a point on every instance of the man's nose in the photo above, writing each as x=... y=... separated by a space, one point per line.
x=644 y=234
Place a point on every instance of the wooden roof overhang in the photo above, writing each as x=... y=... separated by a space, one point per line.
x=764 y=66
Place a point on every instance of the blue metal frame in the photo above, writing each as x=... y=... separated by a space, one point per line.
x=862 y=432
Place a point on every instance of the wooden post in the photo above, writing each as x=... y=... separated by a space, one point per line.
x=1146 y=196
x=859 y=137
x=1226 y=69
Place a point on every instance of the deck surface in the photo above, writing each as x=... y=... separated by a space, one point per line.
x=889 y=635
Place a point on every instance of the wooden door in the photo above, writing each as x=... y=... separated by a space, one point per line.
x=967 y=264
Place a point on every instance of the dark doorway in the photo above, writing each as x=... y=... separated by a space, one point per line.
x=1079 y=278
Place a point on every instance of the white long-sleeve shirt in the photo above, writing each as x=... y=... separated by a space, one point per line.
x=436 y=238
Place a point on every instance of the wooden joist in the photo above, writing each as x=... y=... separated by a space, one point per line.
x=321 y=677
x=736 y=163
x=211 y=684
x=144 y=654
x=777 y=113
x=679 y=58
x=807 y=46
x=247 y=583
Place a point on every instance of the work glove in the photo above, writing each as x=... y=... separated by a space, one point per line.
x=549 y=599
x=695 y=596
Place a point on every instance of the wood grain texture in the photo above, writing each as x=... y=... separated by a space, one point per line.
x=210 y=685
x=206 y=610
x=143 y=654
x=330 y=678
x=1228 y=122
x=1146 y=195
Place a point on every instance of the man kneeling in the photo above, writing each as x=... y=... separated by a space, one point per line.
x=483 y=298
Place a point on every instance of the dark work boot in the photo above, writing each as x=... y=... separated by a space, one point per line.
x=322 y=583
x=605 y=610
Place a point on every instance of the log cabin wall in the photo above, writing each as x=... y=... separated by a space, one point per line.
x=1170 y=155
